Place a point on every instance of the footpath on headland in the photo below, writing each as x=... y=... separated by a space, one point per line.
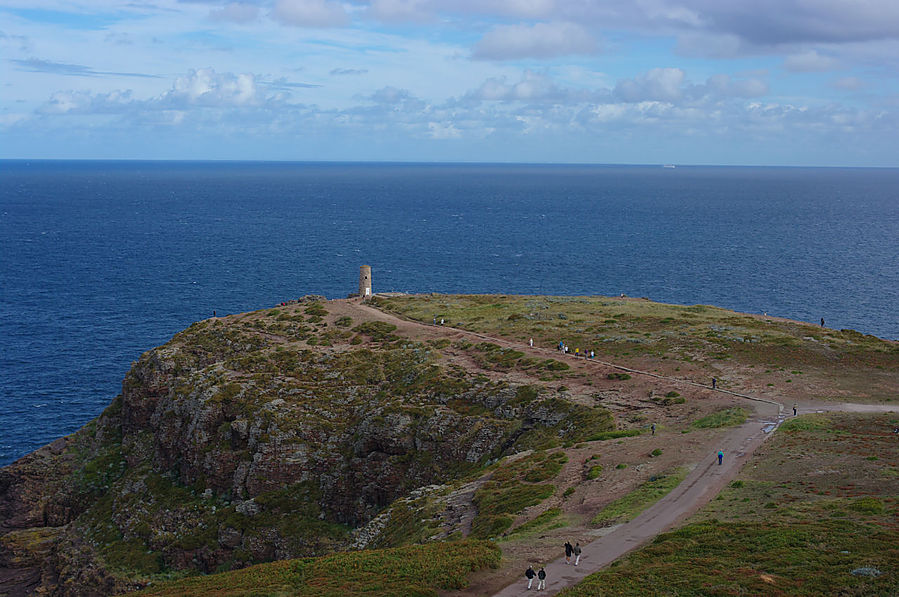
x=700 y=486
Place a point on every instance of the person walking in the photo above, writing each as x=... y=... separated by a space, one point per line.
x=720 y=456
x=794 y=410
x=822 y=322
x=568 y=550
x=541 y=579
x=653 y=427
x=530 y=574
x=714 y=383
x=531 y=343
x=577 y=554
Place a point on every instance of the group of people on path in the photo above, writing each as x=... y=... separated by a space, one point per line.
x=541 y=575
x=578 y=353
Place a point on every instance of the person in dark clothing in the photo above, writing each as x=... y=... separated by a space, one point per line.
x=541 y=579
x=720 y=456
x=714 y=383
x=530 y=574
x=794 y=410
x=568 y=550
x=653 y=427
x=822 y=322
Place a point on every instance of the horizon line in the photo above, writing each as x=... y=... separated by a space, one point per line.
x=440 y=163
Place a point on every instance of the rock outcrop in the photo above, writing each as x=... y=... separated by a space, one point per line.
x=264 y=436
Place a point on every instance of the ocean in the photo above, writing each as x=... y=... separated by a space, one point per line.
x=101 y=261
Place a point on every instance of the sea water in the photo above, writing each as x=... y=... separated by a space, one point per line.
x=100 y=261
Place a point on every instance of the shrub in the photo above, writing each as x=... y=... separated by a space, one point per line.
x=376 y=330
x=723 y=418
x=606 y=435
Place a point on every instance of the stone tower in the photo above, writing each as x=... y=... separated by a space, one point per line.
x=365 y=281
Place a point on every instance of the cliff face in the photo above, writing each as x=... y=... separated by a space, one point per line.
x=264 y=436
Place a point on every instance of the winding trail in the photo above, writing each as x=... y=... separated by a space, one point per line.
x=702 y=484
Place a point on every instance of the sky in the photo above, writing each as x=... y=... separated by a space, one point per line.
x=761 y=82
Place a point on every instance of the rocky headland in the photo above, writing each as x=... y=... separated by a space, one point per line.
x=260 y=437
x=318 y=427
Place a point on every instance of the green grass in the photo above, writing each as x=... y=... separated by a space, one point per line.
x=607 y=435
x=418 y=570
x=594 y=472
x=644 y=496
x=629 y=330
x=728 y=417
x=808 y=508
x=755 y=558
x=813 y=422
x=551 y=519
x=512 y=488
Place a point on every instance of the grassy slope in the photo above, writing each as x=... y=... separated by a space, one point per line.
x=815 y=503
x=418 y=570
x=679 y=340
x=647 y=494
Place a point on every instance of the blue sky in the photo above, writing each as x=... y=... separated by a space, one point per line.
x=776 y=82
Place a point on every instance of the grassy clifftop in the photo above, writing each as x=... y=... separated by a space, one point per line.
x=698 y=341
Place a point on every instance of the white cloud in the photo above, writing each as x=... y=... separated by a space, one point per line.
x=724 y=85
x=532 y=86
x=541 y=41
x=310 y=13
x=810 y=61
x=235 y=12
x=390 y=95
x=441 y=130
x=204 y=86
x=660 y=84
x=401 y=10
x=848 y=83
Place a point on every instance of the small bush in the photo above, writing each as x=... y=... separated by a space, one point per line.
x=672 y=394
x=867 y=505
x=594 y=472
x=656 y=452
x=723 y=418
x=376 y=330
x=344 y=322
x=619 y=376
x=606 y=435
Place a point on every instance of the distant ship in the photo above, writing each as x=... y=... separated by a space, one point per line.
x=669 y=166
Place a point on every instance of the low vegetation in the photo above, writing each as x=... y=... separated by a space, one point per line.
x=512 y=488
x=811 y=514
x=641 y=333
x=647 y=494
x=728 y=417
x=419 y=570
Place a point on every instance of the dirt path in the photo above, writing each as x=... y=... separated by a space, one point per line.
x=702 y=484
